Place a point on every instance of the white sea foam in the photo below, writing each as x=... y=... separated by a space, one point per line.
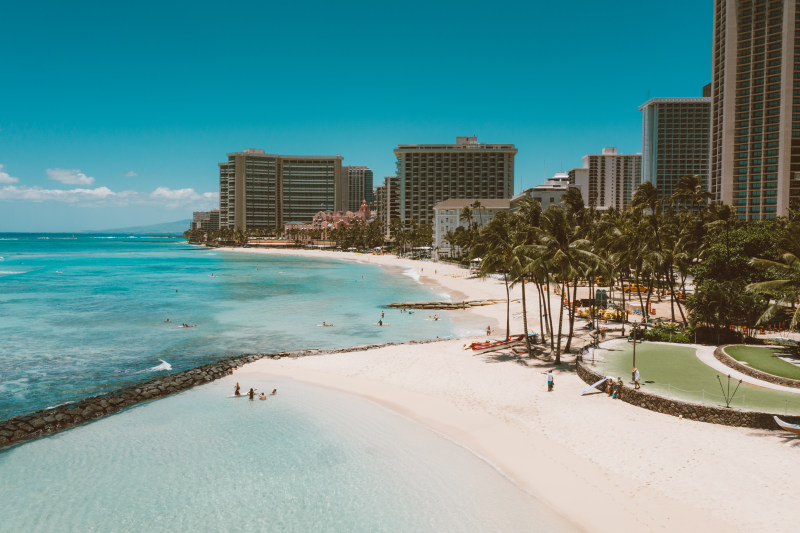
x=9 y=239
x=163 y=366
x=413 y=274
x=10 y=272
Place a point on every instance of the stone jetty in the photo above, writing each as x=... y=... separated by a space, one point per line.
x=47 y=421
x=443 y=306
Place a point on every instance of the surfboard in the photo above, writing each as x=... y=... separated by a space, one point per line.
x=593 y=385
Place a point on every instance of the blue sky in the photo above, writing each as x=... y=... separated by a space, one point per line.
x=117 y=114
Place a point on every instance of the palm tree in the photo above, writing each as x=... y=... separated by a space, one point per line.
x=496 y=250
x=785 y=287
x=567 y=256
x=690 y=190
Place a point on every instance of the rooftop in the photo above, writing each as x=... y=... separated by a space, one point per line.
x=486 y=203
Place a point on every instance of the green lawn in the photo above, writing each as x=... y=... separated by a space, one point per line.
x=764 y=358
x=677 y=373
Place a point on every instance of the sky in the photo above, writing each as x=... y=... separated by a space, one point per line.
x=117 y=114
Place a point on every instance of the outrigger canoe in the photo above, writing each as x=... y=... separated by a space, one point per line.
x=489 y=346
x=794 y=428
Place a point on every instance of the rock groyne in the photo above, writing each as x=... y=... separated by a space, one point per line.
x=48 y=421
x=443 y=306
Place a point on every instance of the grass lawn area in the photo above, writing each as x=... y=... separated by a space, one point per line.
x=765 y=358
x=677 y=373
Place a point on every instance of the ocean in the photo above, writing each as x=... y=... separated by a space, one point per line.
x=81 y=315
x=85 y=314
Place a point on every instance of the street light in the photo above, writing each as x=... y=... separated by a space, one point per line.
x=634 y=329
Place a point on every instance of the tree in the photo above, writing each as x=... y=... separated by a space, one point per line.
x=783 y=289
x=496 y=250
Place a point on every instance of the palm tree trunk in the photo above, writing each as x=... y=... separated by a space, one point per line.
x=560 y=325
x=525 y=319
x=572 y=315
x=549 y=316
x=508 y=307
x=542 y=323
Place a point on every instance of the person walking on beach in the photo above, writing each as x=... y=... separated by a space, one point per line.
x=550 y=381
x=636 y=378
x=488 y=330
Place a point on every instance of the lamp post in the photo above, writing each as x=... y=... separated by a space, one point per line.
x=634 y=330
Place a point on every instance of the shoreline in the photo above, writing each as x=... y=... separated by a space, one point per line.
x=603 y=465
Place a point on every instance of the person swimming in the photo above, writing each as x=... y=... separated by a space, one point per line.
x=262 y=396
x=274 y=392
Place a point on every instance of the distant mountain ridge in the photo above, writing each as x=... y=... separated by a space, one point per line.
x=165 y=228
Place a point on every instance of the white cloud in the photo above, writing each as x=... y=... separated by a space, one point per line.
x=69 y=176
x=70 y=196
x=131 y=174
x=5 y=177
x=185 y=197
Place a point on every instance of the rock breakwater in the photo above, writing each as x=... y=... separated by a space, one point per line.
x=48 y=421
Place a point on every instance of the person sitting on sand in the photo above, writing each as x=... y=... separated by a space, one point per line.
x=236 y=391
x=274 y=392
x=262 y=396
x=252 y=393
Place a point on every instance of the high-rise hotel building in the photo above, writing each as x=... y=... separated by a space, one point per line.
x=755 y=121
x=675 y=141
x=432 y=173
x=359 y=186
x=608 y=179
x=265 y=191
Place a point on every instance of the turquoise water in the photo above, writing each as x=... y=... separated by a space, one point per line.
x=84 y=314
x=308 y=459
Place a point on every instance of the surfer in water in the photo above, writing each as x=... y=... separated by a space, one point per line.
x=251 y=393
x=236 y=390
x=380 y=322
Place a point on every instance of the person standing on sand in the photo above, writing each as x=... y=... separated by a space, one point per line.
x=488 y=330
x=550 y=381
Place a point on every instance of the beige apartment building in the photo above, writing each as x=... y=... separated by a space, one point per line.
x=265 y=191
x=432 y=173
x=608 y=179
x=755 y=121
x=387 y=202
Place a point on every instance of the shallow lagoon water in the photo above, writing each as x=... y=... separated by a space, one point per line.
x=86 y=314
x=308 y=459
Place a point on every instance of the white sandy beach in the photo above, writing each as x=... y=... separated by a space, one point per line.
x=602 y=464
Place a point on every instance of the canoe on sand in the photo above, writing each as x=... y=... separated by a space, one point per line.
x=794 y=428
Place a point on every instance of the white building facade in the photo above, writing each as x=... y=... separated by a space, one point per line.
x=447 y=217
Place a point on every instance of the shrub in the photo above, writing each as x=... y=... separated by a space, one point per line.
x=668 y=332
